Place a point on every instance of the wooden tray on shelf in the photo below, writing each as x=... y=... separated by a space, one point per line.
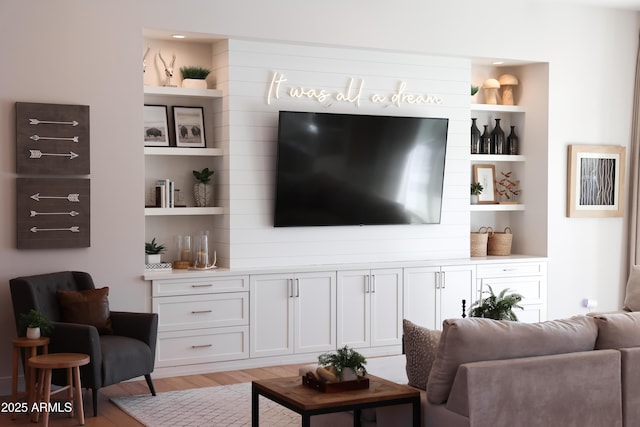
x=326 y=387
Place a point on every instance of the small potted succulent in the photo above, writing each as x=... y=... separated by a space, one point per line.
x=345 y=364
x=203 y=190
x=476 y=190
x=194 y=77
x=497 y=307
x=35 y=324
x=153 y=251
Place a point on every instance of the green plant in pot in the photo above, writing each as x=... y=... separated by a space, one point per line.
x=342 y=365
x=194 y=77
x=153 y=251
x=34 y=324
x=203 y=190
x=497 y=307
x=476 y=190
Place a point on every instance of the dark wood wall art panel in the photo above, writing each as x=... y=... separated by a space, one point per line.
x=52 y=139
x=53 y=213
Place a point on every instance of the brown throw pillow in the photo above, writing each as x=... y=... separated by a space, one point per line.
x=420 y=346
x=90 y=307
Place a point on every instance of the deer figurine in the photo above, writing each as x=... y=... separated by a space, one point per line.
x=168 y=69
x=144 y=60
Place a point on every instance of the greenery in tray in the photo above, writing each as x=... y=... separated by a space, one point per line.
x=204 y=175
x=497 y=307
x=193 y=72
x=35 y=319
x=344 y=358
x=476 y=188
x=153 y=248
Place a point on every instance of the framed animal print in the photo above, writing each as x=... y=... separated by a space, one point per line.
x=156 y=129
x=189 y=124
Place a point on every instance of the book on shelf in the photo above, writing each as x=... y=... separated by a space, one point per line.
x=165 y=193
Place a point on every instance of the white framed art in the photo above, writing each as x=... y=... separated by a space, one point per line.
x=156 y=129
x=189 y=124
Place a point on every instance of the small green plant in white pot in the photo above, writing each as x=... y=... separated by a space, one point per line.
x=194 y=77
x=476 y=190
x=345 y=364
x=203 y=190
x=153 y=251
x=34 y=324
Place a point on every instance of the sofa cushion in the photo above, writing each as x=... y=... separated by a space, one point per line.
x=420 y=346
x=88 y=307
x=618 y=330
x=478 y=339
x=632 y=296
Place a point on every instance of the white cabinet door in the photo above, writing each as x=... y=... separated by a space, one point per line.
x=271 y=315
x=369 y=308
x=354 y=318
x=386 y=307
x=532 y=288
x=457 y=284
x=421 y=296
x=315 y=312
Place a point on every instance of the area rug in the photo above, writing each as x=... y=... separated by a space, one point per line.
x=210 y=406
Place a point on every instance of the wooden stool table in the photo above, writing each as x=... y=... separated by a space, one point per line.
x=42 y=396
x=31 y=346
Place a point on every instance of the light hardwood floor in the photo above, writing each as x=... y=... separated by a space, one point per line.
x=110 y=415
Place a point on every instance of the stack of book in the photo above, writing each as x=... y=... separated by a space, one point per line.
x=164 y=193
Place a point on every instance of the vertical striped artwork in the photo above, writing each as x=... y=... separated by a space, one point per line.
x=597 y=181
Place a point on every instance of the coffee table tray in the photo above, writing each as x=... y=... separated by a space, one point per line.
x=326 y=387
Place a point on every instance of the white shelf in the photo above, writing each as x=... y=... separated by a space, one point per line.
x=183 y=211
x=497 y=158
x=496 y=207
x=498 y=108
x=179 y=91
x=182 y=151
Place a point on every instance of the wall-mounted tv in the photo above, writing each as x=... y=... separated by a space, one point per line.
x=350 y=169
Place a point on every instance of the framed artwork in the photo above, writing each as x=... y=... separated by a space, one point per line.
x=486 y=176
x=189 y=123
x=595 y=182
x=156 y=129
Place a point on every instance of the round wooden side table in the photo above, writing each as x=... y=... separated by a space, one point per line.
x=31 y=347
x=42 y=393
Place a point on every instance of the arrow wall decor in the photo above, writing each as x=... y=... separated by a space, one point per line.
x=72 y=197
x=37 y=154
x=54 y=138
x=52 y=122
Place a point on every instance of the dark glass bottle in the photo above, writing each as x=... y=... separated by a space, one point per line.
x=512 y=142
x=497 y=139
x=485 y=141
x=475 y=138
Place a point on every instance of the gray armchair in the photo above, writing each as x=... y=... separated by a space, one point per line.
x=127 y=353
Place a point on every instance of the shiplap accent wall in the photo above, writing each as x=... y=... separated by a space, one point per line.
x=252 y=134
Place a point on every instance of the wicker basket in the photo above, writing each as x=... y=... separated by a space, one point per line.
x=499 y=243
x=479 y=242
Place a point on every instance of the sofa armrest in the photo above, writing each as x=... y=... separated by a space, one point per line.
x=78 y=338
x=630 y=385
x=141 y=326
x=573 y=389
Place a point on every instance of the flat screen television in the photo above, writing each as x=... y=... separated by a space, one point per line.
x=350 y=169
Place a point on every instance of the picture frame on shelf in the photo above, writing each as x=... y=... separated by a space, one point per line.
x=486 y=176
x=189 y=125
x=595 y=181
x=156 y=127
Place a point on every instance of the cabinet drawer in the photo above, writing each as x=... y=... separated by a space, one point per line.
x=202 y=346
x=202 y=311
x=510 y=269
x=532 y=289
x=172 y=287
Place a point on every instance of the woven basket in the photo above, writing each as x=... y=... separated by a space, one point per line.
x=499 y=243
x=479 y=242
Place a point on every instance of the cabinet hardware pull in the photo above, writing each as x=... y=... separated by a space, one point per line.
x=297 y=288
x=373 y=283
x=444 y=279
x=366 y=283
x=202 y=346
x=202 y=286
x=201 y=311
x=290 y=282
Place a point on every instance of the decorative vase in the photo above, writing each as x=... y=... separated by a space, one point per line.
x=474 y=199
x=349 y=374
x=486 y=141
x=497 y=139
x=194 y=83
x=512 y=141
x=153 y=258
x=475 y=137
x=202 y=193
x=33 y=333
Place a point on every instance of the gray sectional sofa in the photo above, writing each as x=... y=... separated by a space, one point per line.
x=582 y=371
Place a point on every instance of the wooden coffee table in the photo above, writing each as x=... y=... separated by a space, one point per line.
x=290 y=393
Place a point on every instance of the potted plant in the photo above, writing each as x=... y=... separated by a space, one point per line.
x=194 y=77
x=35 y=324
x=153 y=251
x=498 y=307
x=343 y=365
x=476 y=190
x=203 y=190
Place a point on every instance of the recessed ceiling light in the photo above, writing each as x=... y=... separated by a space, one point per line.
x=178 y=36
x=498 y=62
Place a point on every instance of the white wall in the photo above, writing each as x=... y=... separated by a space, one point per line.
x=90 y=53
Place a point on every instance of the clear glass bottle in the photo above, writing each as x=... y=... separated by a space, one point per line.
x=476 y=148
x=497 y=139
x=513 y=142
